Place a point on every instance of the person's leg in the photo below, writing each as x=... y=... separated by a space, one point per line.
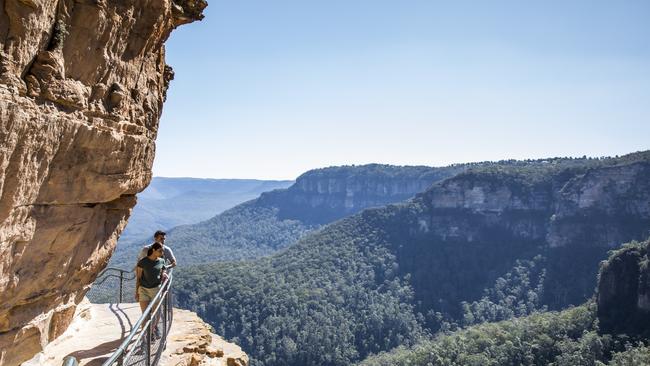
x=143 y=296
x=143 y=305
x=146 y=297
x=156 y=316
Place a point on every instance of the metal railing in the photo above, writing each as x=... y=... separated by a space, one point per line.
x=111 y=286
x=148 y=337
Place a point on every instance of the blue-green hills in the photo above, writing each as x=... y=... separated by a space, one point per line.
x=493 y=241
x=278 y=218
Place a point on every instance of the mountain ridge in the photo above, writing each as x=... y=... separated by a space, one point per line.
x=170 y=202
x=421 y=259
x=280 y=217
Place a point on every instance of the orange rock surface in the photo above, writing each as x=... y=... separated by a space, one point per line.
x=82 y=85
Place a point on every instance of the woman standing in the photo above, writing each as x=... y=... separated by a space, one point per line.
x=149 y=274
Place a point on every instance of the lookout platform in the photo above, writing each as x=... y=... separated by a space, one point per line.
x=99 y=329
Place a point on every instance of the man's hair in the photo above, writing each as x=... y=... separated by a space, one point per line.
x=154 y=247
x=159 y=233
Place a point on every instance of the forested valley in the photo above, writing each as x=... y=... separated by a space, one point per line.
x=278 y=218
x=493 y=242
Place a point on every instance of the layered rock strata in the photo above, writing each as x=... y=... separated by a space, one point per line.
x=615 y=199
x=82 y=84
x=321 y=196
x=488 y=218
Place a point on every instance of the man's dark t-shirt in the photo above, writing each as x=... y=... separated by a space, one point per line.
x=151 y=271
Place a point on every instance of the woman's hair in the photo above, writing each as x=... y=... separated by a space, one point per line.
x=155 y=246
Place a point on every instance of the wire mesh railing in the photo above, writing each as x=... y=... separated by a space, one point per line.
x=146 y=342
x=148 y=338
x=112 y=286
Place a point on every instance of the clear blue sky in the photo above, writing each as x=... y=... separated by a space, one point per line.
x=271 y=89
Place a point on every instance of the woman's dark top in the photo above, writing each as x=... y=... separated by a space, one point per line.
x=151 y=271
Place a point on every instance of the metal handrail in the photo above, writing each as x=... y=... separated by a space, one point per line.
x=162 y=299
x=124 y=275
x=113 y=269
x=70 y=361
x=127 y=275
x=113 y=275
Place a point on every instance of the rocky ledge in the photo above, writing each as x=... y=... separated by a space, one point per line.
x=98 y=329
x=192 y=343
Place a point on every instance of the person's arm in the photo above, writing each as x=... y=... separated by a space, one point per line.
x=138 y=274
x=172 y=259
x=142 y=254
x=163 y=275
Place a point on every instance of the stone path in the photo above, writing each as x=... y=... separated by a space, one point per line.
x=95 y=333
x=99 y=329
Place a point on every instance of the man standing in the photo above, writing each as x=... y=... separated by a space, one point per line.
x=168 y=255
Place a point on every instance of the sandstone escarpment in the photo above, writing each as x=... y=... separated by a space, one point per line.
x=616 y=200
x=323 y=195
x=601 y=206
x=624 y=291
x=571 y=212
x=472 y=206
x=82 y=84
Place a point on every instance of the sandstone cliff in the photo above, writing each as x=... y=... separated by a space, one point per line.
x=321 y=196
x=552 y=209
x=82 y=84
x=279 y=218
x=570 y=212
x=623 y=293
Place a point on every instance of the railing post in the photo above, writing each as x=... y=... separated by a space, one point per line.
x=148 y=340
x=121 y=285
x=70 y=361
x=164 y=315
x=128 y=348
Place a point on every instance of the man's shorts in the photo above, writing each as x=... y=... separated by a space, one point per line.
x=147 y=294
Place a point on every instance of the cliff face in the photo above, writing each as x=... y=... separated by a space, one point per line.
x=350 y=193
x=489 y=218
x=323 y=195
x=623 y=293
x=472 y=206
x=615 y=199
x=82 y=85
x=602 y=206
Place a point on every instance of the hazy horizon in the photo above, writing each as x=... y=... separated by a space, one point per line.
x=434 y=166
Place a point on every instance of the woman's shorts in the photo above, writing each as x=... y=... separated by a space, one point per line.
x=147 y=294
